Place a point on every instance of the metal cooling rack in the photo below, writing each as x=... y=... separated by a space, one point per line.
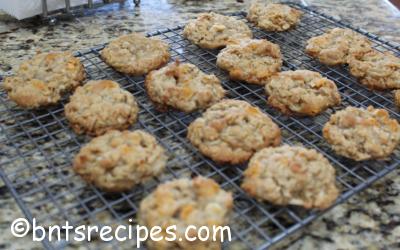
x=37 y=147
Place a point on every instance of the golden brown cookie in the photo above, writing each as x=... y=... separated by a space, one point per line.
x=99 y=106
x=212 y=31
x=136 y=54
x=397 y=98
x=43 y=79
x=183 y=86
x=376 y=70
x=362 y=134
x=291 y=175
x=273 y=17
x=117 y=161
x=335 y=46
x=231 y=131
x=301 y=92
x=253 y=61
x=183 y=203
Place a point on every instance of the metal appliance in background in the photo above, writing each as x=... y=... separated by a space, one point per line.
x=67 y=11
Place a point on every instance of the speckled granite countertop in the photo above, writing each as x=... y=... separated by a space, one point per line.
x=370 y=220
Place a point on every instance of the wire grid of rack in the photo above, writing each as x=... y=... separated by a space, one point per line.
x=37 y=146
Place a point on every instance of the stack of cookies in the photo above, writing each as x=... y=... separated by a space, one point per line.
x=228 y=131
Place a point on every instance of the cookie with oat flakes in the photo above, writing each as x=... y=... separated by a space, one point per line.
x=272 y=16
x=291 y=175
x=99 y=106
x=199 y=202
x=183 y=86
x=119 y=160
x=213 y=31
x=136 y=54
x=362 y=134
x=44 y=79
x=231 y=131
x=252 y=61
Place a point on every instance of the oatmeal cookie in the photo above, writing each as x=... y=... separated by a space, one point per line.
x=362 y=134
x=301 y=92
x=212 y=31
x=291 y=175
x=397 y=98
x=273 y=17
x=135 y=54
x=376 y=70
x=253 y=61
x=183 y=86
x=43 y=79
x=230 y=131
x=99 y=106
x=117 y=161
x=184 y=202
x=335 y=46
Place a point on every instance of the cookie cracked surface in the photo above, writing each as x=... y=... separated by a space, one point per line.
x=301 y=92
x=376 y=70
x=136 y=54
x=362 y=134
x=231 y=131
x=273 y=17
x=117 y=161
x=183 y=86
x=43 y=79
x=253 y=61
x=212 y=31
x=291 y=175
x=337 y=45
x=184 y=202
x=99 y=106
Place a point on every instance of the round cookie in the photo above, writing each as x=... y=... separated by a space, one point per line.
x=291 y=175
x=376 y=70
x=117 y=161
x=231 y=131
x=212 y=31
x=253 y=60
x=362 y=134
x=397 y=98
x=273 y=17
x=183 y=86
x=99 y=106
x=335 y=46
x=136 y=54
x=182 y=203
x=43 y=79
x=301 y=92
